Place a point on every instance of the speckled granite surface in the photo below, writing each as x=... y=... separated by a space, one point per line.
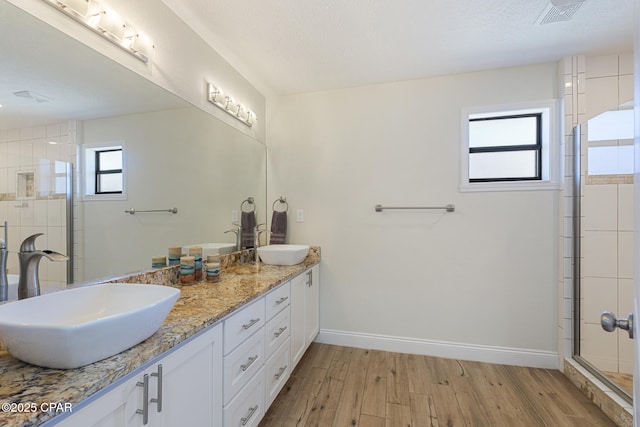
x=200 y=305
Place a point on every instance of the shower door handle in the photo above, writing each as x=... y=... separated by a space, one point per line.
x=609 y=322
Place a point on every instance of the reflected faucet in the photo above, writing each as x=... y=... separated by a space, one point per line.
x=29 y=257
x=238 y=235
x=256 y=239
x=4 y=251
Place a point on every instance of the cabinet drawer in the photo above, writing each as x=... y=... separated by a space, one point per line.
x=242 y=364
x=278 y=299
x=243 y=324
x=277 y=371
x=277 y=330
x=247 y=408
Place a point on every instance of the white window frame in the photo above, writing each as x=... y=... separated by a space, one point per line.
x=88 y=152
x=550 y=146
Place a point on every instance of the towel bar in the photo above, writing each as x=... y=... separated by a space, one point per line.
x=134 y=211
x=449 y=208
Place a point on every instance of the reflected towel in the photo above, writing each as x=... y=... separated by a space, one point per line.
x=247 y=224
x=278 y=228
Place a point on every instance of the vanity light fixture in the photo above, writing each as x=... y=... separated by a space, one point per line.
x=108 y=23
x=226 y=103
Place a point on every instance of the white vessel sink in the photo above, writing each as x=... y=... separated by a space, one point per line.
x=75 y=327
x=213 y=248
x=283 y=254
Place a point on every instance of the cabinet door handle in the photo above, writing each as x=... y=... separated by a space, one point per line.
x=281 y=300
x=310 y=276
x=279 y=331
x=145 y=399
x=278 y=374
x=158 y=398
x=249 y=363
x=251 y=323
x=244 y=420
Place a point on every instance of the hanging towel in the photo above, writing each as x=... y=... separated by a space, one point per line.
x=247 y=224
x=278 y=228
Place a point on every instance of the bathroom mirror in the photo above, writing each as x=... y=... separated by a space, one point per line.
x=60 y=97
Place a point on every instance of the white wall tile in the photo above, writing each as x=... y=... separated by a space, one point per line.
x=599 y=252
x=625 y=89
x=625 y=254
x=599 y=207
x=598 y=294
x=625 y=207
x=601 y=66
x=625 y=63
x=602 y=95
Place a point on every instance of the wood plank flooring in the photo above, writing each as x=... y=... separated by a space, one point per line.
x=336 y=386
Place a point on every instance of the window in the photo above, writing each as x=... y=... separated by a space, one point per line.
x=104 y=171
x=505 y=148
x=108 y=171
x=508 y=148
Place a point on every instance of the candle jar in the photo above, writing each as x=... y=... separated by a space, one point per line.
x=212 y=268
x=158 y=261
x=175 y=252
x=196 y=253
x=187 y=269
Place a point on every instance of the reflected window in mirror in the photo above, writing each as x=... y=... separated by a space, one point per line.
x=108 y=171
x=104 y=171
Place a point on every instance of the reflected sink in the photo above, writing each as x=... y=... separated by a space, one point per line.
x=213 y=248
x=283 y=254
x=75 y=327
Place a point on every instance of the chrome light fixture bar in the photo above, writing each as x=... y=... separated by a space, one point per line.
x=104 y=21
x=226 y=103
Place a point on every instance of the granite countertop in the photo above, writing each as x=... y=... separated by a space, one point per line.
x=32 y=388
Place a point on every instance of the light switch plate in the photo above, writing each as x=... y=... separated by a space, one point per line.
x=300 y=215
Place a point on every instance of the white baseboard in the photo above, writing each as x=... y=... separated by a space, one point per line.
x=449 y=350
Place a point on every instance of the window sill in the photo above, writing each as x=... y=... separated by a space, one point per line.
x=100 y=197
x=510 y=186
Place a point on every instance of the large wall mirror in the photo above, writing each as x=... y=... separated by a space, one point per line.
x=60 y=98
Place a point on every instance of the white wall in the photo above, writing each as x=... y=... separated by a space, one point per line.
x=173 y=158
x=484 y=275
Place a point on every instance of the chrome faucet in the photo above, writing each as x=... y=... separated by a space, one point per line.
x=238 y=235
x=256 y=239
x=4 y=251
x=29 y=257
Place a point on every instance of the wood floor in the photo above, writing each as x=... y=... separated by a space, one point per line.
x=624 y=381
x=341 y=386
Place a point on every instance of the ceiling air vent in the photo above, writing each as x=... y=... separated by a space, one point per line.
x=559 y=11
x=32 y=95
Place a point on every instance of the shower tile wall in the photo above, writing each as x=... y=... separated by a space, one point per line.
x=24 y=153
x=593 y=85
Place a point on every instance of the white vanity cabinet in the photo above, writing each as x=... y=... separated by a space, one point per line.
x=227 y=375
x=305 y=321
x=182 y=388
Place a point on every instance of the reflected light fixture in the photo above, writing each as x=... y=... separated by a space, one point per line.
x=105 y=21
x=226 y=103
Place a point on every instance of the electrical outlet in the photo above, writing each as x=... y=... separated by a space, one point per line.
x=234 y=216
x=300 y=215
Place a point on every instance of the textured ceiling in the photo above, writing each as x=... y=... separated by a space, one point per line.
x=293 y=46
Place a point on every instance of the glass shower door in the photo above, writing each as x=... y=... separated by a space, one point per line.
x=604 y=246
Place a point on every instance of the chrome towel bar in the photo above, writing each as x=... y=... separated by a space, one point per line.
x=449 y=208
x=134 y=211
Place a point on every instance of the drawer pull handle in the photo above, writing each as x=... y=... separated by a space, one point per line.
x=279 y=331
x=249 y=363
x=251 y=323
x=281 y=300
x=278 y=374
x=244 y=420
x=158 y=398
x=145 y=399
